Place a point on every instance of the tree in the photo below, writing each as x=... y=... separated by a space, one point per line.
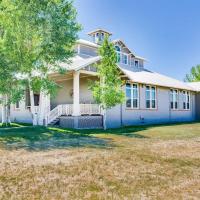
x=36 y=36
x=107 y=91
x=194 y=74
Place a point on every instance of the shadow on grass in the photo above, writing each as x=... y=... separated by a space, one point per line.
x=42 y=138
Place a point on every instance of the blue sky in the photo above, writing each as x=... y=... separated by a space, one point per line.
x=166 y=32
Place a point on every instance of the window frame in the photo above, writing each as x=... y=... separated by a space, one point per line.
x=150 y=97
x=186 y=99
x=123 y=56
x=17 y=107
x=132 y=96
x=173 y=99
x=137 y=62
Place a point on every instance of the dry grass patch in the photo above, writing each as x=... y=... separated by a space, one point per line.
x=128 y=164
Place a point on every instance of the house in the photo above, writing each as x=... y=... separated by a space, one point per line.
x=150 y=96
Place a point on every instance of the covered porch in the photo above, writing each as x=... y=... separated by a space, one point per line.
x=73 y=100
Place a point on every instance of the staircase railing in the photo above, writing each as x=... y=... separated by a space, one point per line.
x=67 y=110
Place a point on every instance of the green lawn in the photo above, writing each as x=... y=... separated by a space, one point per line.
x=146 y=162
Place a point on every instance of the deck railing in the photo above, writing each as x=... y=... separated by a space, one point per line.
x=67 y=110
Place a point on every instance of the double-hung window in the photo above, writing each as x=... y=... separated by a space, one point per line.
x=124 y=59
x=174 y=99
x=118 y=51
x=132 y=96
x=186 y=100
x=150 y=97
x=136 y=63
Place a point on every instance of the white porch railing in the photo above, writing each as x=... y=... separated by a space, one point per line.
x=89 y=109
x=67 y=109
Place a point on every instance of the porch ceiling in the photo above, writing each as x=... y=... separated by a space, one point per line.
x=69 y=75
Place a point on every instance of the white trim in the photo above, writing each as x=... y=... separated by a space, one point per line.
x=185 y=99
x=138 y=95
x=150 y=90
x=173 y=99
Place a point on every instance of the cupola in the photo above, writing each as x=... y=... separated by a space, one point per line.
x=98 y=35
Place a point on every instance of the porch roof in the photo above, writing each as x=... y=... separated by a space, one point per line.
x=79 y=62
x=139 y=76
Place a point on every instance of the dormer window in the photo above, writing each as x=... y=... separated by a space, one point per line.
x=118 y=50
x=136 y=63
x=124 y=59
x=102 y=36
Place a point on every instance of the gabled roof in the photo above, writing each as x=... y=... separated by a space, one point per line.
x=152 y=78
x=130 y=52
x=135 y=75
x=79 y=62
x=195 y=85
x=99 y=30
x=87 y=43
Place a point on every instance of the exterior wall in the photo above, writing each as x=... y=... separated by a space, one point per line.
x=198 y=106
x=162 y=114
x=65 y=92
x=22 y=114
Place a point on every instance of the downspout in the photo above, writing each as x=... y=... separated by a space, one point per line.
x=121 y=116
x=169 y=106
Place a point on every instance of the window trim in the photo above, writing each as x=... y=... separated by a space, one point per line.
x=122 y=60
x=178 y=99
x=17 y=108
x=185 y=97
x=150 y=89
x=137 y=62
x=138 y=96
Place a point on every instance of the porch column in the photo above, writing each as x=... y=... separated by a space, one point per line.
x=76 y=106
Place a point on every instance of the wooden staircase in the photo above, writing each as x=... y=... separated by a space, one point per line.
x=54 y=115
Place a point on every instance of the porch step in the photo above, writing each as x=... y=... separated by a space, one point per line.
x=54 y=122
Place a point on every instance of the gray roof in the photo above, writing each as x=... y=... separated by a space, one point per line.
x=153 y=78
x=195 y=85
x=135 y=75
x=79 y=62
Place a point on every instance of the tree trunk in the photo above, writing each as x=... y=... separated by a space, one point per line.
x=104 y=119
x=34 y=114
x=5 y=112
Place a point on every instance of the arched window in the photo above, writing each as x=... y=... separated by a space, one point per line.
x=118 y=50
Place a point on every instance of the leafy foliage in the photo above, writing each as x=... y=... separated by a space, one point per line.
x=107 y=90
x=35 y=36
x=194 y=74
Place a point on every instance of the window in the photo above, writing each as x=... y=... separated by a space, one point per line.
x=174 y=99
x=102 y=36
x=132 y=96
x=124 y=59
x=132 y=62
x=118 y=50
x=136 y=63
x=186 y=100
x=150 y=97
x=17 y=105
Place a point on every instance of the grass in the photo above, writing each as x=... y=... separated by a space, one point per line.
x=147 y=162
